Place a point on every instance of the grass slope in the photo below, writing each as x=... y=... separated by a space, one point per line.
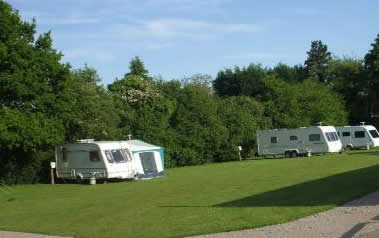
x=193 y=200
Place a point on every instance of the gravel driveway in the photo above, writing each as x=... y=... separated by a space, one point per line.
x=358 y=218
x=9 y=234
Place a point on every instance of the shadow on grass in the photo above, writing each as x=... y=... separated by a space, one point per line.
x=332 y=190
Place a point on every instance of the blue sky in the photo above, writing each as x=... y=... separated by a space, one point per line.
x=177 y=38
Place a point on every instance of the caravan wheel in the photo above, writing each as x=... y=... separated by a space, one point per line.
x=287 y=154
x=349 y=147
x=294 y=154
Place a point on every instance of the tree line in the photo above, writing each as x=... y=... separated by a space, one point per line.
x=198 y=119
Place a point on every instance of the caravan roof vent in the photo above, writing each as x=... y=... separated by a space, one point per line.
x=362 y=123
x=85 y=140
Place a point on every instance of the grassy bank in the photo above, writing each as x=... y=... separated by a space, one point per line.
x=193 y=200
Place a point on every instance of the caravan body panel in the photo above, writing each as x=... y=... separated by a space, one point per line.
x=109 y=160
x=303 y=140
x=99 y=159
x=358 y=136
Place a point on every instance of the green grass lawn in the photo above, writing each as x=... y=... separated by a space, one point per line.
x=193 y=200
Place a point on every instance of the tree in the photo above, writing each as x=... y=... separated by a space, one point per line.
x=288 y=73
x=371 y=69
x=137 y=68
x=243 y=117
x=200 y=133
x=92 y=114
x=143 y=110
x=200 y=79
x=246 y=81
x=318 y=60
x=31 y=82
x=347 y=78
x=302 y=104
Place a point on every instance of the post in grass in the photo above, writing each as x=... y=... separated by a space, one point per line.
x=52 y=167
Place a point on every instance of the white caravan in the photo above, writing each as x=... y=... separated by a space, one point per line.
x=109 y=160
x=298 y=141
x=358 y=136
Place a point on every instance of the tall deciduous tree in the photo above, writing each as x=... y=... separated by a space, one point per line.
x=348 y=79
x=92 y=114
x=31 y=82
x=371 y=68
x=246 y=81
x=318 y=60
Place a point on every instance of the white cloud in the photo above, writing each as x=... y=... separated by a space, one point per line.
x=183 y=28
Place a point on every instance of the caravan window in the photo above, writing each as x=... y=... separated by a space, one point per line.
x=346 y=133
x=293 y=137
x=274 y=140
x=126 y=154
x=359 y=134
x=331 y=136
x=94 y=156
x=314 y=137
x=109 y=156
x=374 y=133
x=117 y=156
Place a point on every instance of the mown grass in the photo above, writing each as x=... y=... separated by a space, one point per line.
x=193 y=200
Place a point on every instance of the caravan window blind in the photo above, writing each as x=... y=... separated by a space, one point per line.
x=314 y=137
x=374 y=133
x=94 y=156
x=359 y=134
x=346 y=133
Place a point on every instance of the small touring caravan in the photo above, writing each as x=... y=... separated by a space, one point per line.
x=132 y=159
x=298 y=141
x=363 y=136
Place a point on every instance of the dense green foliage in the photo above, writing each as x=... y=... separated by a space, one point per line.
x=193 y=200
x=44 y=102
x=31 y=80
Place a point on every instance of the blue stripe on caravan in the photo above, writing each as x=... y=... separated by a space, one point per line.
x=151 y=175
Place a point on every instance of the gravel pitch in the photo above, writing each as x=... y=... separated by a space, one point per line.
x=10 y=234
x=358 y=218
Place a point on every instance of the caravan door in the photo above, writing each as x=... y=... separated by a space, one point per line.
x=148 y=162
x=317 y=142
x=361 y=138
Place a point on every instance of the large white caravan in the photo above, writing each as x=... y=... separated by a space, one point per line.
x=298 y=141
x=358 y=136
x=131 y=159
